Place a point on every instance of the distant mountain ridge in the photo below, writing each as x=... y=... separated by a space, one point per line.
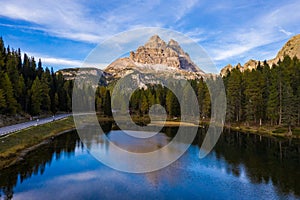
x=290 y=48
x=155 y=59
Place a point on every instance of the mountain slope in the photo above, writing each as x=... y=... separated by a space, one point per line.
x=290 y=48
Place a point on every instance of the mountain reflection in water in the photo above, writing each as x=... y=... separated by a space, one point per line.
x=240 y=166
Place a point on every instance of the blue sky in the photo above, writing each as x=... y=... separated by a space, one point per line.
x=62 y=33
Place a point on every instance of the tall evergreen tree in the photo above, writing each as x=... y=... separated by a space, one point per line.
x=253 y=95
x=172 y=104
x=234 y=96
x=40 y=69
x=36 y=97
x=2 y=101
x=107 y=104
x=11 y=103
x=45 y=90
x=273 y=99
x=203 y=99
x=2 y=54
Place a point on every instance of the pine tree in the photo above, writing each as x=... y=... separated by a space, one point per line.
x=26 y=69
x=253 y=95
x=234 y=96
x=288 y=114
x=107 y=104
x=266 y=73
x=172 y=104
x=45 y=90
x=2 y=54
x=273 y=99
x=2 y=101
x=40 y=69
x=203 y=99
x=150 y=97
x=55 y=104
x=36 y=97
x=144 y=106
x=21 y=92
x=11 y=103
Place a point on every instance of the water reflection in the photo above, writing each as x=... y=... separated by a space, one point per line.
x=253 y=160
x=264 y=159
x=36 y=162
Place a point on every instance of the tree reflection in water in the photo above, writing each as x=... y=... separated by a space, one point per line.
x=260 y=159
x=36 y=161
x=264 y=159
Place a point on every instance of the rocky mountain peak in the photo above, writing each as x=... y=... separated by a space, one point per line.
x=155 y=42
x=176 y=47
x=169 y=59
x=157 y=52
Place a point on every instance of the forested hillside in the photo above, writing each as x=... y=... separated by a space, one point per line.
x=27 y=87
x=266 y=95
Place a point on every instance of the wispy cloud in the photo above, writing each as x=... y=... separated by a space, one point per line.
x=60 y=61
x=76 y=21
x=181 y=8
x=256 y=33
x=228 y=30
x=60 y=18
x=288 y=33
x=64 y=62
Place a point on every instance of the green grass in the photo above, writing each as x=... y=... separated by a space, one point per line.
x=280 y=130
x=296 y=131
x=13 y=144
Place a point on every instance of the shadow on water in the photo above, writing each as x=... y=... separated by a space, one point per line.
x=35 y=162
x=262 y=160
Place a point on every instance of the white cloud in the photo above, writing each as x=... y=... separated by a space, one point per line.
x=77 y=21
x=285 y=31
x=64 y=62
x=258 y=32
x=60 y=61
x=183 y=7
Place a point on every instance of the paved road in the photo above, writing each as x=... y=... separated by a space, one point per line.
x=13 y=128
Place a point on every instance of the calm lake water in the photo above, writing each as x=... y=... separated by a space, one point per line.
x=241 y=166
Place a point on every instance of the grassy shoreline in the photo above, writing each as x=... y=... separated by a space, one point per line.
x=277 y=131
x=18 y=144
x=15 y=146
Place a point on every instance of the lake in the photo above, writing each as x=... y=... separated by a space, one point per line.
x=241 y=166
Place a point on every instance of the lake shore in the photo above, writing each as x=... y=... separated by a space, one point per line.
x=15 y=146
x=276 y=131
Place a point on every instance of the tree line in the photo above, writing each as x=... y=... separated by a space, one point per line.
x=266 y=95
x=26 y=87
x=142 y=99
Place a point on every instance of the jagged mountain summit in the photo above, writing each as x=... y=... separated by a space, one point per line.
x=153 y=63
x=291 y=48
x=156 y=55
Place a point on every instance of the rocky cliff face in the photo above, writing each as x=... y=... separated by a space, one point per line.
x=291 y=48
x=152 y=63
x=156 y=51
x=156 y=55
x=85 y=74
